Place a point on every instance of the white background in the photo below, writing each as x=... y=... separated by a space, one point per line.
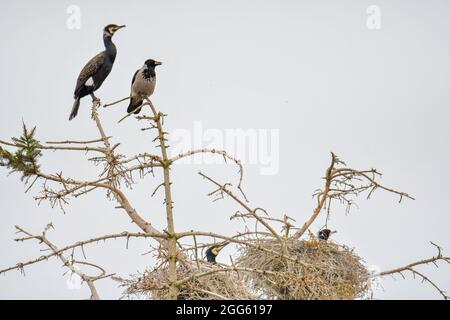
x=312 y=69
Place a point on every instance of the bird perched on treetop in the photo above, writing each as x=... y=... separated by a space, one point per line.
x=96 y=70
x=213 y=252
x=142 y=85
x=324 y=234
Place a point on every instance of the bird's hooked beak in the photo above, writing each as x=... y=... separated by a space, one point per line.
x=158 y=63
x=119 y=27
x=219 y=248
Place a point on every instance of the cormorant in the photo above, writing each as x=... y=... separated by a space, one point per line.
x=213 y=252
x=96 y=70
x=142 y=85
x=324 y=234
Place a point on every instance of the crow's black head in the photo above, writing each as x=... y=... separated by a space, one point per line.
x=324 y=234
x=150 y=63
x=213 y=252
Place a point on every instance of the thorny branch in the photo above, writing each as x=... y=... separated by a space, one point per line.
x=114 y=171
x=225 y=156
x=67 y=262
x=172 y=241
x=222 y=188
x=341 y=183
x=439 y=257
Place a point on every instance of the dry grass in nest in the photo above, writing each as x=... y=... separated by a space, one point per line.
x=325 y=270
x=216 y=286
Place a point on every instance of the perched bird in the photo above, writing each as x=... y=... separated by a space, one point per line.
x=96 y=70
x=213 y=252
x=324 y=234
x=142 y=85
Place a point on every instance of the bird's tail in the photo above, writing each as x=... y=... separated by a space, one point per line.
x=134 y=104
x=75 y=107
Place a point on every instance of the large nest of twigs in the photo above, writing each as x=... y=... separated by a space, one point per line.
x=321 y=270
x=215 y=286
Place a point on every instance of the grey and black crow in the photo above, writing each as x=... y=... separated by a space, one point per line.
x=324 y=234
x=142 y=85
x=96 y=70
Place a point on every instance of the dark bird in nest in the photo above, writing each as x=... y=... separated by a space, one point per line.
x=96 y=70
x=213 y=252
x=324 y=234
x=142 y=85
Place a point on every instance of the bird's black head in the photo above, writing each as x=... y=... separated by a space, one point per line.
x=150 y=63
x=324 y=234
x=110 y=29
x=213 y=252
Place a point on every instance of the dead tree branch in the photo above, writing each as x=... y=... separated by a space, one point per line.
x=343 y=184
x=439 y=257
x=67 y=262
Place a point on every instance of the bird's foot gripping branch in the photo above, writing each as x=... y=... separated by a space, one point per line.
x=275 y=257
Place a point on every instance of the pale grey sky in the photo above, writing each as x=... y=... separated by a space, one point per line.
x=310 y=69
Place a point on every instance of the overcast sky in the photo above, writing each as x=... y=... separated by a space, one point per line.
x=310 y=77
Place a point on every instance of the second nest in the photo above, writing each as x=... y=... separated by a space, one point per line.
x=321 y=270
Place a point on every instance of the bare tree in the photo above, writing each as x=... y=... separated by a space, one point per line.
x=180 y=273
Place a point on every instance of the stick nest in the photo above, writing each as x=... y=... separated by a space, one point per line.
x=216 y=286
x=323 y=270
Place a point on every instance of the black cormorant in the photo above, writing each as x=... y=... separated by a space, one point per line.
x=96 y=70
x=142 y=85
x=213 y=252
x=324 y=234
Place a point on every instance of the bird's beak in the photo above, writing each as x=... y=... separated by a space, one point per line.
x=120 y=27
x=222 y=246
x=158 y=63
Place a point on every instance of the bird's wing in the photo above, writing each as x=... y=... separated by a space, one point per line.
x=90 y=69
x=134 y=77
x=133 y=100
